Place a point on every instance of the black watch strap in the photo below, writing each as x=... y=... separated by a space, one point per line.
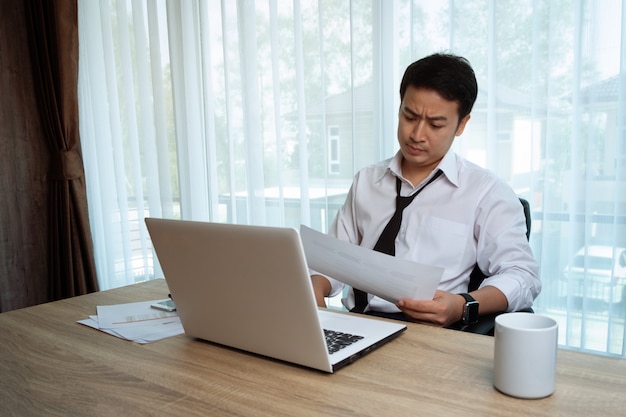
x=470 y=310
x=468 y=298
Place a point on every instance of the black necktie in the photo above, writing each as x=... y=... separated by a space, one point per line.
x=387 y=240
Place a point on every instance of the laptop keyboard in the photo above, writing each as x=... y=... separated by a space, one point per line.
x=337 y=340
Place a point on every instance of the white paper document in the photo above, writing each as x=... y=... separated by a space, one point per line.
x=377 y=273
x=135 y=321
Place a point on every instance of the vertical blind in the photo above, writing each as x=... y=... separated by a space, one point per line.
x=260 y=112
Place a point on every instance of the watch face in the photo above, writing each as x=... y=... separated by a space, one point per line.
x=471 y=312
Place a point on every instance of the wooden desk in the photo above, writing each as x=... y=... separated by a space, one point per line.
x=52 y=366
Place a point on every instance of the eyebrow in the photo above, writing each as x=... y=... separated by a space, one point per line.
x=432 y=118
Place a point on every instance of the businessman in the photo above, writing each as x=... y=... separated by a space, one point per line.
x=429 y=205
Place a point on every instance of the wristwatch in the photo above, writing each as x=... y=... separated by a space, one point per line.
x=470 y=310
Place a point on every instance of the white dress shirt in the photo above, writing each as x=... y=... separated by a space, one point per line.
x=466 y=216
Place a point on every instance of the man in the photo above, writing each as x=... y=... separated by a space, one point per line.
x=462 y=215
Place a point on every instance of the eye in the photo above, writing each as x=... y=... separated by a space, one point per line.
x=408 y=117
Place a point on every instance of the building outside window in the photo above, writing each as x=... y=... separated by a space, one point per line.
x=333 y=150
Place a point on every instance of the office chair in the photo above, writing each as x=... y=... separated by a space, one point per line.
x=486 y=324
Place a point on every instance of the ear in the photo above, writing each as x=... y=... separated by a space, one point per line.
x=461 y=127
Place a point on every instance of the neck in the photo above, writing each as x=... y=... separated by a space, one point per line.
x=416 y=174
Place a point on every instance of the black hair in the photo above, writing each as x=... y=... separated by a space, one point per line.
x=449 y=75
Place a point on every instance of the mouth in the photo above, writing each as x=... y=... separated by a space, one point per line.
x=414 y=150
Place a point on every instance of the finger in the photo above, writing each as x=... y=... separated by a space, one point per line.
x=424 y=306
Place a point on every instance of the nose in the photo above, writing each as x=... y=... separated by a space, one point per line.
x=418 y=132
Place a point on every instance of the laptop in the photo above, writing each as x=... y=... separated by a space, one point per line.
x=248 y=288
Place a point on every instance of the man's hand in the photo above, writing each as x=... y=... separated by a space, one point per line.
x=321 y=288
x=444 y=309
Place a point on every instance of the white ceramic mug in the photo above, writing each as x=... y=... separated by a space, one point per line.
x=525 y=355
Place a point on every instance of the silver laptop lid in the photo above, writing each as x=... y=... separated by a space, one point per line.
x=219 y=277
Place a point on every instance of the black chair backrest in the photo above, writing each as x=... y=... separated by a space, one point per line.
x=477 y=276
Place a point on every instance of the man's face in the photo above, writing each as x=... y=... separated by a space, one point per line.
x=427 y=126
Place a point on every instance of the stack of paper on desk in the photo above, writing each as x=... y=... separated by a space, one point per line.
x=135 y=321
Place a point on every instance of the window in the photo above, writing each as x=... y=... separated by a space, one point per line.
x=593 y=262
x=333 y=150
x=261 y=112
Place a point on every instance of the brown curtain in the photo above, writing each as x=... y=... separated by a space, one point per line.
x=53 y=44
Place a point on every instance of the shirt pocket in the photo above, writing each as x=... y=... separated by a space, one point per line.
x=442 y=242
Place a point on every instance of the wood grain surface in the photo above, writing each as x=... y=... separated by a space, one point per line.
x=53 y=366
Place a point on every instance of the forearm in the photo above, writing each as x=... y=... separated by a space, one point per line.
x=321 y=289
x=490 y=299
x=520 y=287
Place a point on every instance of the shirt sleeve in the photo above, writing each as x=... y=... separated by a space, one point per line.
x=503 y=251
